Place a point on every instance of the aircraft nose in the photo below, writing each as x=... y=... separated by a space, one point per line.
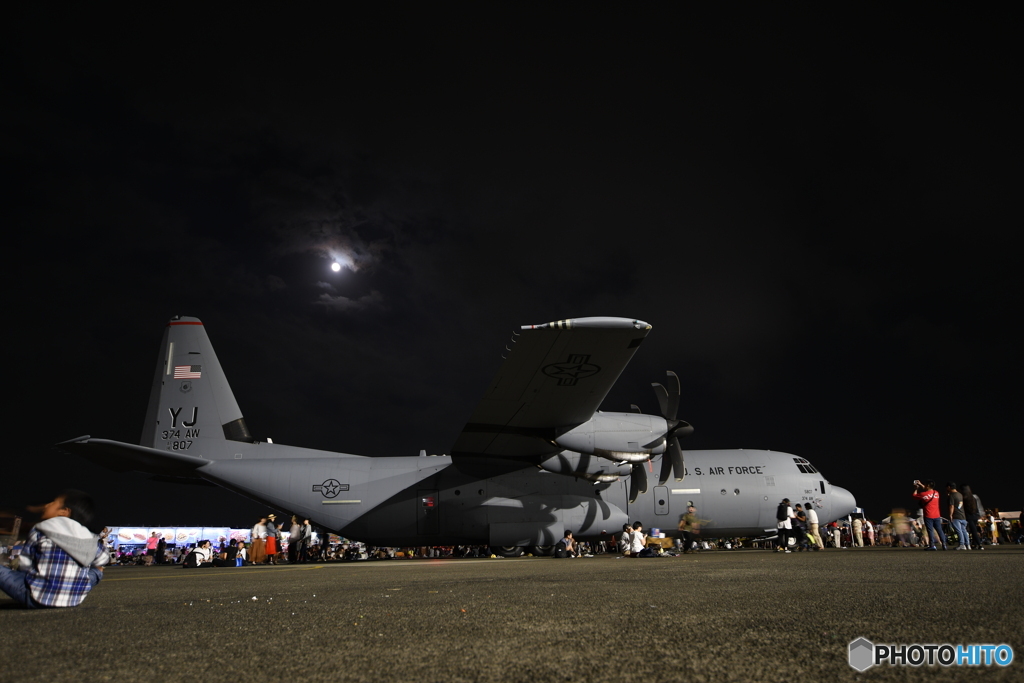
x=843 y=502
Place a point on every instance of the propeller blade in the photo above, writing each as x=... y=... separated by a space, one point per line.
x=662 y=394
x=634 y=486
x=673 y=382
x=675 y=456
x=683 y=429
x=668 y=399
x=666 y=469
x=680 y=428
x=657 y=442
x=673 y=395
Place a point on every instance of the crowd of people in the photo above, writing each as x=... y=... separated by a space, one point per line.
x=970 y=525
x=270 y=543
x=62 y=560
x=959 y=521
x=798 y=526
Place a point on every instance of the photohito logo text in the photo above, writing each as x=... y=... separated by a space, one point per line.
x=864 y=654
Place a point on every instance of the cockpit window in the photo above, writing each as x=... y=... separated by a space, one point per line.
x=804 y=466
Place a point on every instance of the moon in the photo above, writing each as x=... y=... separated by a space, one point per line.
x=335 y=266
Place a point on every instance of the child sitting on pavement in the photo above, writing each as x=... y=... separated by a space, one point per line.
x=62 y=559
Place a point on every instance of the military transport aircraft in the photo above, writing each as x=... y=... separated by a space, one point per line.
x=536 y=457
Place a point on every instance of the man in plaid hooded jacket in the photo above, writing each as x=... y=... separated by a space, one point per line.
x=62 y=559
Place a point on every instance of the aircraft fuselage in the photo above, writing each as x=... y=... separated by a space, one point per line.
x=431 y=500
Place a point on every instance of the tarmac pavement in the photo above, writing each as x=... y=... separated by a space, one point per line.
x=742 y=615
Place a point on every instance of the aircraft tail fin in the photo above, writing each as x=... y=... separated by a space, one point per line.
x=190 y=398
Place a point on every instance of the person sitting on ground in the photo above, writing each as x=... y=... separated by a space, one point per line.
x=201 y=556
x=567 y=546
x=626 y=540
x=639 y=547
x=62 y=560
x=227 y=557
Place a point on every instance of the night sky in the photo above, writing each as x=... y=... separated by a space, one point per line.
x=817 y=217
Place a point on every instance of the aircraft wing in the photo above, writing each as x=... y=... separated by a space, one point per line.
x=555 y=375
x=125 y=457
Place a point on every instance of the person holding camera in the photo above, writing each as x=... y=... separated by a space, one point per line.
x=929 y=497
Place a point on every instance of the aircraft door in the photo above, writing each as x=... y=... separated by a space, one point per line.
x=661 y=499
x=768 y=497
x=427 y=512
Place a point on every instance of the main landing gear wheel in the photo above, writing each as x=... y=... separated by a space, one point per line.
x=508 y=550
x=542 y=550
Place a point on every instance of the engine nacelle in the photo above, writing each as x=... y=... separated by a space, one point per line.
x=584 y=466
x=616 y=436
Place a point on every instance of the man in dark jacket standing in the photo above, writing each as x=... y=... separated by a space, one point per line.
x=957 y=516
x=973 y=514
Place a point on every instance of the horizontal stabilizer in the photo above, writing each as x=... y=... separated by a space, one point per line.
x=186 y=481
x=125 y=457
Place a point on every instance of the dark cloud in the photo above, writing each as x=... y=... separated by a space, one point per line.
x=316 y=215
x=342 y=303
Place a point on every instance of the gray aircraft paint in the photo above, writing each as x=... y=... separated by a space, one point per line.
x=522 y=493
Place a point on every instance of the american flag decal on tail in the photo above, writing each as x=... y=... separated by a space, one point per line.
x=188 y=371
